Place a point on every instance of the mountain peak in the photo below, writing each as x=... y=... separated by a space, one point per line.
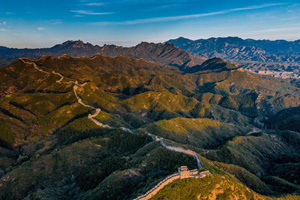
x=213 y=64
x=179 y=41
x=64 y=56
x=182 y=38
x=74 y=44
x=162 y=53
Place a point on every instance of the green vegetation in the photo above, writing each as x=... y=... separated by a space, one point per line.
x=221 y=185
x=197 y=132
x=97 y=157
x=210 y=187
x=184 y=125
x=264 y=155
x=246 y=177
x=286 y=119
x=112 y=119
x=281 y=185
x=160 y=101
x=50 y=149
x=6 y=135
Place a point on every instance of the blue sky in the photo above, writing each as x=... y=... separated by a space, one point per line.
x=32 y=23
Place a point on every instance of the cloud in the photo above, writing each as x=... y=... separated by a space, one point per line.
x=94 y=4
x=174 y=18
x=256 y=7
x=281 y=29
x=3 y=29
x=55 y=21
x=85 y=12
x=41 y=28
x=169 y=5
x=159 y=19
x=180 y=17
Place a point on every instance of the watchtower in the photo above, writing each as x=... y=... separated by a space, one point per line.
x=183 y=172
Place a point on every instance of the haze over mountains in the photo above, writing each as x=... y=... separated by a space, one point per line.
x=252 y=54
x=82 y=125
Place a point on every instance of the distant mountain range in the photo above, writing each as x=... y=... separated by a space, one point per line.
x=252 y=54
x=166 y=54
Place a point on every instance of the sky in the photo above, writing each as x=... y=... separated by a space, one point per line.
x=40 y=23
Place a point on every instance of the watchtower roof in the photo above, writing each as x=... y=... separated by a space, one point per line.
x=184 y=168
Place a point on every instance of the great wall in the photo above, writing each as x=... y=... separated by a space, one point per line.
x=75 y=88
x=183 y=171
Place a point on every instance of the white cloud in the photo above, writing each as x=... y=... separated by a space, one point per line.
x=165 y=19
x=41 y=28
x=3 y=30
x=169 y=5
x=94 y=4
x=85 y=12
x=281 y=29
x=55 y=21
x=256 y=7
x=180 y=17
x=160 y=19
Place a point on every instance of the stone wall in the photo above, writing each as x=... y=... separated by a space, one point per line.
x=158 y=187
x=193 y=174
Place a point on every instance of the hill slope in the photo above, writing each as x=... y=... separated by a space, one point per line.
x=83 y=124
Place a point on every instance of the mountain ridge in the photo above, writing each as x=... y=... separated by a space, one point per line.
x=166 y=54
x=256 y=55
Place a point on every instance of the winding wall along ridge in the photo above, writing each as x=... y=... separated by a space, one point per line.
x=161 y=184
x=158 y=187
x=61 y=76
x=75 y=87
x=193 y=174
x=172 y=177
x=182 y=150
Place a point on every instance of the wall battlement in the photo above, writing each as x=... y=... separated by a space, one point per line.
x=183 y=172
